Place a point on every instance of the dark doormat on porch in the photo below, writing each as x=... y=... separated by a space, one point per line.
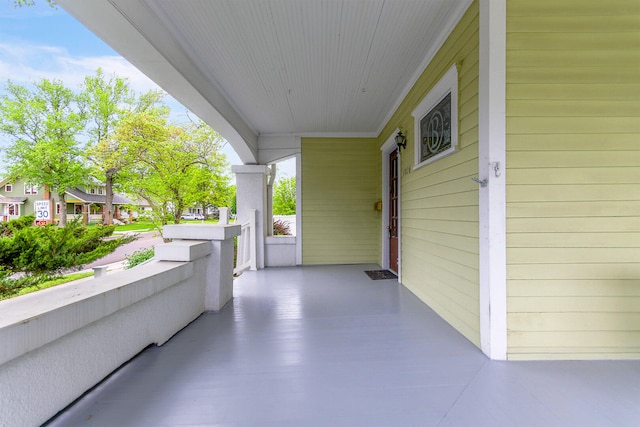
x=380 y=274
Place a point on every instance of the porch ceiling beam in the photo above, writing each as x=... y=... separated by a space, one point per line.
x=140 y=43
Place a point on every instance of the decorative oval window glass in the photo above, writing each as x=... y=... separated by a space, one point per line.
x=436 y=121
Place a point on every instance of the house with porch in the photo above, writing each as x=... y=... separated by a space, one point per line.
x=486 y=151
x=86 y=202
x=520 y=226
x=16 y=198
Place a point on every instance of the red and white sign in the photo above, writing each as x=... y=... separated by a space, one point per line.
x=42 y=211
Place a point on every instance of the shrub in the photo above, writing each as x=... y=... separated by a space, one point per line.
x=138 y=257
x=48 y=250
x=281 y=228
x=10 y=287
x=31 y=255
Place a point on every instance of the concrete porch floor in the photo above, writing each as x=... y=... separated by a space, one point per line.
x=327 y=346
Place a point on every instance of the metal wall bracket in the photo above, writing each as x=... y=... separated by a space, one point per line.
x=482 y=183
x=496 y=169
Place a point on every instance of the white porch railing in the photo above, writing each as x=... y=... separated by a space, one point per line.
x=57 y=343
x=247 y=257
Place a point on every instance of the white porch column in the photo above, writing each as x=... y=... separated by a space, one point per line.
x=251 y=193
x=187 y=247
x=492 y=168
x=269 y=218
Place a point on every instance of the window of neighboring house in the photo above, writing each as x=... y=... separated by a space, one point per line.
x=30 y=189
x=58 y=208
x=13 y=209
x=92 y=190
x=100 y=190
x=77 y=209
x=8 y=188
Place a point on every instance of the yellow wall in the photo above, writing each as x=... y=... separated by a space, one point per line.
x=573 y=179
x=340 y=184
x=439 y=211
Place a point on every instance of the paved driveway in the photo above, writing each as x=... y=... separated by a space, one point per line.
x=144 y=240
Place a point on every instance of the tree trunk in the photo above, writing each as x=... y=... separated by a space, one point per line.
x=62 y=197
x=108 y=205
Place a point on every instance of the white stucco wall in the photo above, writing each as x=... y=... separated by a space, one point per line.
x=58 y=343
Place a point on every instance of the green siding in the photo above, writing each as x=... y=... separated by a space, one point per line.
x=573 y=179
x=27 y=208
x=340 y=184
x=439 y=202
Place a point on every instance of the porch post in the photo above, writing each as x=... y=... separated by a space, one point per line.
x=219 y=264
x=269 y=216
x=85 y=214
x=251 y=193
x=491 y=167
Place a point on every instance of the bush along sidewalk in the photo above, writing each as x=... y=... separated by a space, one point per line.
x=139 y=257
x=30 y=255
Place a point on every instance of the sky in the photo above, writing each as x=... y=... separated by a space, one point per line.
x=44 y=42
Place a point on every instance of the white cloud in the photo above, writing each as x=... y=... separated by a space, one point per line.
x=25 y=63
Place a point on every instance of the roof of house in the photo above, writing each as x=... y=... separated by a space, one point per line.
x=4 y=199
x=76 y=193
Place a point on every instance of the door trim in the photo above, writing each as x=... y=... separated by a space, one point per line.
x=386 y=149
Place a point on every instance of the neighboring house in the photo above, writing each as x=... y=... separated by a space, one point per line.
x=522 y=229
x=89 y=202
x=17 y=199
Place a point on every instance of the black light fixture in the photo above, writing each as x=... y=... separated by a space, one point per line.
x=401 y=140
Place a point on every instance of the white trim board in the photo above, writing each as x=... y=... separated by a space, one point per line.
x=386 y=149
x=491 y=167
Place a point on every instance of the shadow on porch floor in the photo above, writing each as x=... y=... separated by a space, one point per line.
x=327 y=346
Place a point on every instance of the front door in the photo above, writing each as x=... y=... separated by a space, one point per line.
x=393 y=211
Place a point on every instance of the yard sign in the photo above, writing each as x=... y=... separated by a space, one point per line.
x=42 y=211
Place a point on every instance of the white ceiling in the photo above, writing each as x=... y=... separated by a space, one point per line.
x=256 y=67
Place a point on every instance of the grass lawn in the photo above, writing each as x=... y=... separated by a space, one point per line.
x=142 y=226
x=48 y=284
x=137 y=226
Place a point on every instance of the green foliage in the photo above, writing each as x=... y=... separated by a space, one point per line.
x=47 y=251
x=29 y=284
x=138 y=257
x=108 y=101
x=20 y=3
x=130 y=145
x=284 y=197
x=175 y=166
x=10 y=227
x=43 y=124
x=10 y=287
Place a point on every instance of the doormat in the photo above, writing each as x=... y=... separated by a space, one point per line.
x=380 y=274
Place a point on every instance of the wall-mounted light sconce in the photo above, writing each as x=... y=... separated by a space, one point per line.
x=401 y=140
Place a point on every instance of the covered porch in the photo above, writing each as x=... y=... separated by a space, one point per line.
x=326 y=345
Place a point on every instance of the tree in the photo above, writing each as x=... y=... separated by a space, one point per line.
x=107 y=101
x=210 y=185
x=44 y=123
x=176 y=166
x=284 y=196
